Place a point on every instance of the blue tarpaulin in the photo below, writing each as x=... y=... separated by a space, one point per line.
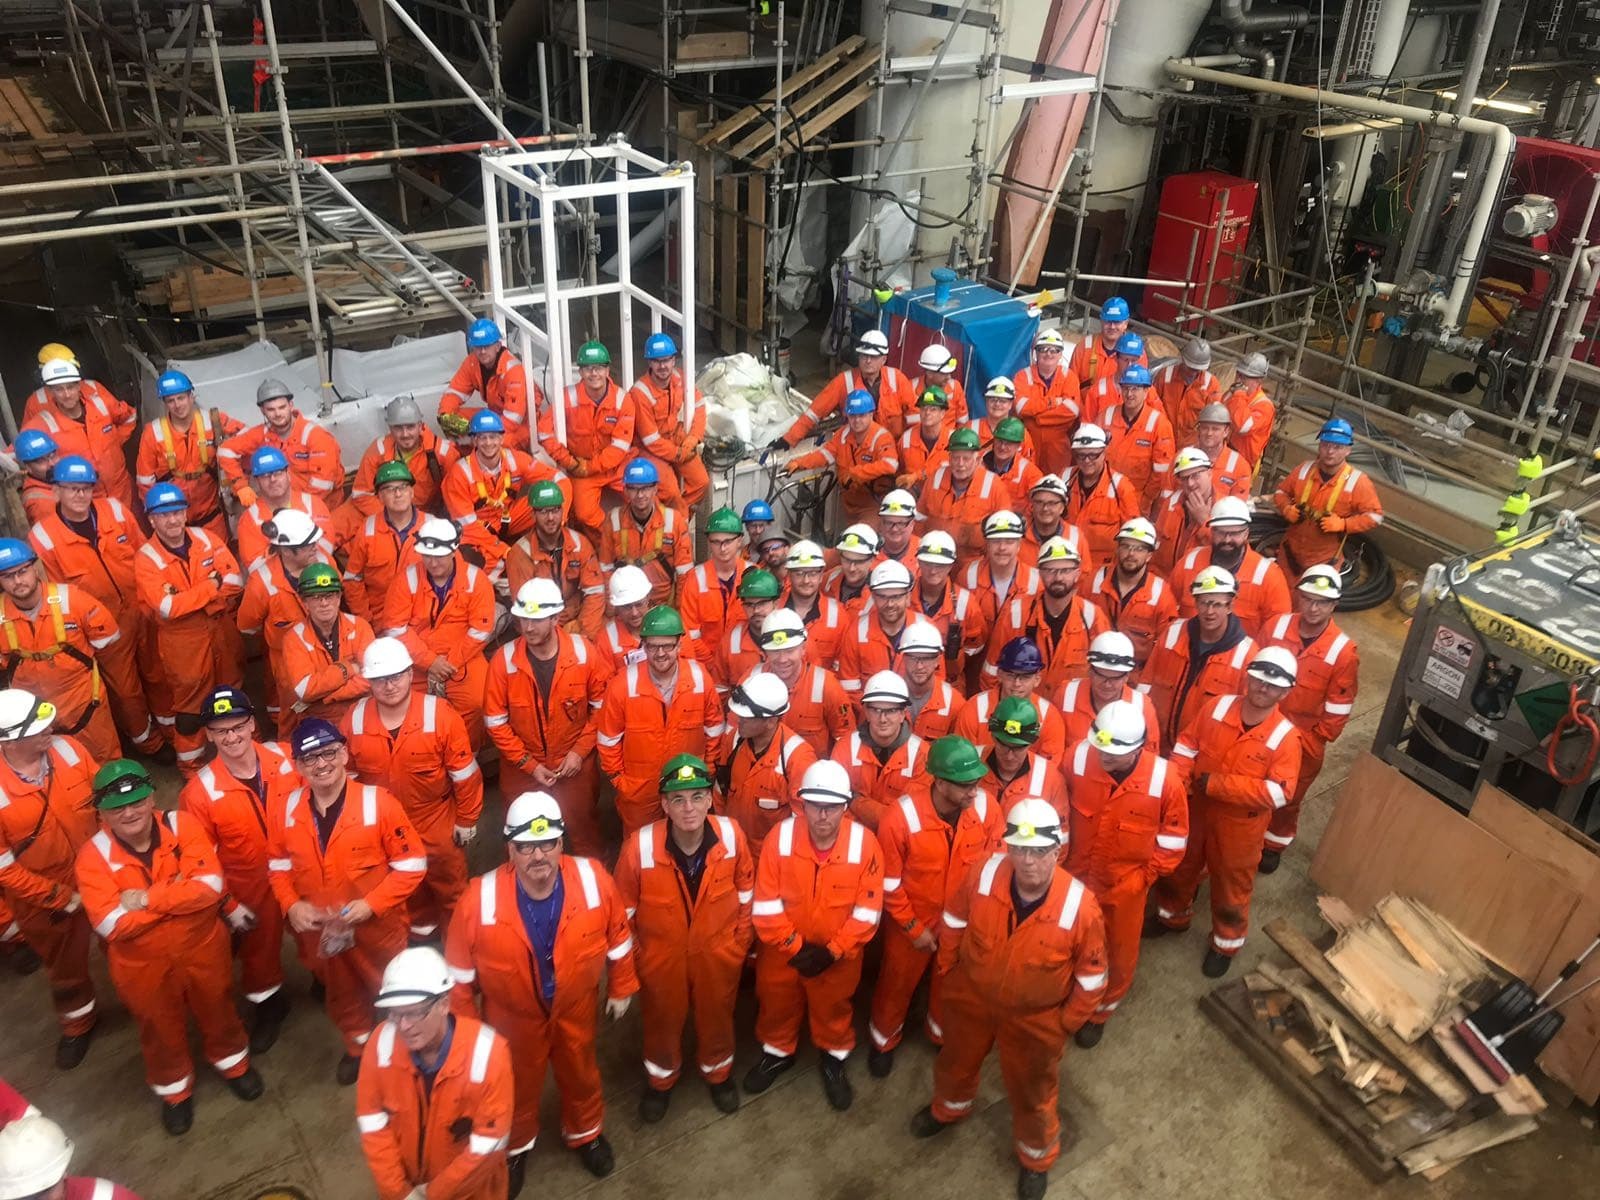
x=991 y=333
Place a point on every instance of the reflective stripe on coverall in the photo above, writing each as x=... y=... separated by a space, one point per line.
x=458 y=630
x=1263 y=590
x=758 y=791
x=1319 y=704
x=638 y=730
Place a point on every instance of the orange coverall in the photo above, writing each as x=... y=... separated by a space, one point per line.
x=472 y=493
x=1033 y=539
x=832 y=898
x=824 y=629
x=924 y=859
x=371 y=854
x=1263 y=591
x=1348 y=497
x=599 y=433
x=269 y=609
x=619 y=647
x=1066 y=656
x=820 y=710
x=1077 y=707
x=892 y=390
x=1093 y=360
x=937 y=716
x=1039 y=777
x=458 y=628
x=661 y=435
x=961 y=515
x=42 y=827
x=1050 y=410
x=710 y=606
x=1238 y=778
x=235 y=820
x=876 y=784
x=100 y=435
x=426 y=763
x=1230 y=475
x=1109 y=503
x=955 y=415
x=375 y=555
x=576 y=568
x=449 y=1135
x=1320 y=704
x=639 y=729
x=917 y=459
x=252 y=540
x=865 y=651
x=1181 y=400
x=663 y=548
x=978 y=579
x=1179 y=686
x=865 y=466
x=190 y=599
x=429 y=463
x=1141 y=614
x=1141 y=451
x=1253 y=416
x=738 y=655
x=1125 y=834
x=1026 y=985
x=495 y=969
x=758 y=790
x=1018 y=476
x=313 y=454
x=38 y=498
x=504 y=389
x=325 y=683
x=688 y=949
x=171 y=958
x=188 y=458
x=1176 y=533
x=972 y=723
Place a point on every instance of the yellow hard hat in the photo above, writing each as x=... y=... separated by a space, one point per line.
x=54 y=350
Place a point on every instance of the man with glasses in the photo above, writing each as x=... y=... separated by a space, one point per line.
x=1134 y=599
x=1022 y=964
x=740 y=650
x=822 y=617
x=1198 y=659
x=766 y=760
x=232 y=798
x=1263 y=590
x=1048 y=400
x=511 y=931
x=433 y=1102
x=1111 y=671
x=687 y=883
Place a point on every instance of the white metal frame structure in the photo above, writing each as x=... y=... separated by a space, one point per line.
x=614 y=170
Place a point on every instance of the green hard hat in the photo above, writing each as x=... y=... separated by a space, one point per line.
x=545 y=494
x=594 y=354
x=724 y=520
x=393 y=471
x=933 y=398
x=1010 y=430
x=121 y=782
x=965 y=439
x=759 y=585
x=685 y=773
x=1015 y=722
x=662 y=621
x=319 y=579
x=956 y=760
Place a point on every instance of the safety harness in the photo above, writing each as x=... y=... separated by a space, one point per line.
x=15 y=655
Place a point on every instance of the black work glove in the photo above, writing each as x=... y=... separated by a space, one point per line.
x=812 y=959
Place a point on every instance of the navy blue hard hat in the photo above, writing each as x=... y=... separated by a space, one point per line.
x=1021 y=656
x=314 y=734
x=224 y=704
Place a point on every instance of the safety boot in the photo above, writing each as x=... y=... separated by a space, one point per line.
x=725 y=1096
x=836 y=1084
x=348 y=1069
x=70 y=1050
x=596 y=1157
x=1089 y=1035
x=1032 y=1185
x=880 y=1063
x=761 y=1076
x=177 y=1119
x=653 y=1105
x=1216 y=964
x=269 y=1022
x=925 y=1125
x=1269 y=862
x=248 y=1086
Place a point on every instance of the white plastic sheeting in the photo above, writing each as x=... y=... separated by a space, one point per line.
x=744 y=400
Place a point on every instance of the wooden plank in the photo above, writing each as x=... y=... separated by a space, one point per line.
x=755 y=259
x=1414 y=1059
x=798 y=107
x=726 y=128
x=848 y=102
x=714 y=44
x=1409 y=998
x=1458 y=1144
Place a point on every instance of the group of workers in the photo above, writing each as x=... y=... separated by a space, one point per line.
x=1034 y=694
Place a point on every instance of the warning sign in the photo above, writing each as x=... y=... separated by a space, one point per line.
x=1443 y=678
x=1453 y=646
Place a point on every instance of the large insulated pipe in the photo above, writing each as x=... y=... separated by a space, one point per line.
x=1239 y=16
x=1501 y=139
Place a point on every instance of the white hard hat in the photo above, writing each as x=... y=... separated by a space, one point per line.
x=1253 y=367
x=1214 y=581
x=1274 y=665
x=539 y=598
x=1004 y=525
x=413 y=976
x=825 y=782
x=1197 y=353
x=438 y=538
x=1191 y=458
x=1033 y=822
x=1119 y=727
x=384 y=657
x=804 y=554
x=22 y=714
x=936 y=547
x=782 y=629
x=936 y=357
x=1000 y=386
x=921 y=637
x=1138 y=529
x=889 y=575
x=1051 y=484
x=886 y=687
x=534 y=817
x=1058 y=551
x=1090 y=437
x=898 y=503
x=873 y=341
x=60 y=370
x=1323 y=582
x=1229 y=512
x=289 y=528
x=859 y=539
x=1112 y=651
x=763 y=694
x=34 y=1153
x=629 y=585
x=1048 y=338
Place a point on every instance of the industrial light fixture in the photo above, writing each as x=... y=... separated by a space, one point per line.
x=1526 y=108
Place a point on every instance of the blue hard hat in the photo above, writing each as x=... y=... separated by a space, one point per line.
x=165 y=497
x=659 y=346
x=858 y=402
x=484 y=332
x=173 y=383
x=486 y=420
x=1136 y=374
x=14 y=552
x=34 y=444
x=1337 y=430
x=641 y=472
x=1021 y=656
x=74 y=469
x=267 y=460
x=1114 y=309
x=757 y=510
x=1130 y=344
x=314 y=734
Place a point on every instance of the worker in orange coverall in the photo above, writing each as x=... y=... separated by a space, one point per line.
x=271 y=605
x=322 y=654
x=527 y=947
x=415 y=746
x=819 y=896
x=891 y=388
x=708 y=596
x=383 y=545
x=1185 y=386
x=434 y=1098
x=82 y=417
x=883 y=759
x=660 y=429
x=181 y=447
x=644 y=533
x=491 y=371
x=541 y=705
x=343 y=862
x=553 y=550
x=1099 y=500
x=1022 y=962
x=154 y=893
x=1325 y=501
x=426 y=457
x=819 y=708
x=1130 y=827
x=597 y=436
x=1048 y=401
x=313 y=452
x=687 y=883
x=1199 y=659
x=1252 y=410
x=862 y=456
x=1242 y=756
x=765 y=760
x=931 y=838
x=1263 y=589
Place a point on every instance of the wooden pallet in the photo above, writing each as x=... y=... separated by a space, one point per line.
x=30 y=127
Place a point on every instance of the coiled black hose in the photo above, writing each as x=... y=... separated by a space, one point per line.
x=1368 y=577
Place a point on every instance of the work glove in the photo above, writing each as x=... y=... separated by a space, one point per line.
x=616 y=1008
x=812 y=959
x=246 y=496
x=579 y=469
x=1292 y=514
x=465 y=833
x=688 y=452
x=453 y=424
x=241 y=919
x=1332 y=524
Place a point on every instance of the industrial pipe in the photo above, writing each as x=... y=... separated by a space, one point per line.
x=1238 y=17
x=1503 y=142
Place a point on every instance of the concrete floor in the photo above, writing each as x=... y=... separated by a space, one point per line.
x=1165 y=1106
